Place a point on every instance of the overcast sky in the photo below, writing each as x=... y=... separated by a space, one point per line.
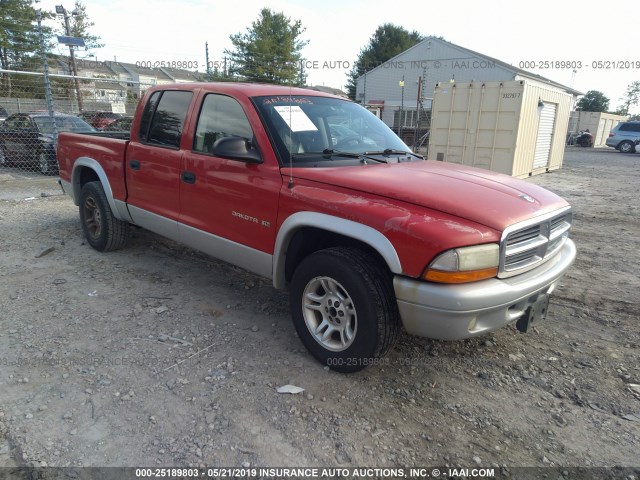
x=543 y=30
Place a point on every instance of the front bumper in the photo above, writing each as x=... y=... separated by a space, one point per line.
x=455 y=312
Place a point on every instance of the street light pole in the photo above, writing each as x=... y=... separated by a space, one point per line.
x=74 y=70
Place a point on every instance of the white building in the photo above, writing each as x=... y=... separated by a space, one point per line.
x=404 y=85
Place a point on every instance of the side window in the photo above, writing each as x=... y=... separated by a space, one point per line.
x=220 y=116
x=168 y=119
x=10 y=123
x=147 y=113
x=630 y=127
x=17 y=122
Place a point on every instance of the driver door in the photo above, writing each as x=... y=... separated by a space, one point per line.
x=228 y=207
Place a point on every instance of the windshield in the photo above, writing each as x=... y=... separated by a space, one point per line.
x=63 y=124
x=303 y=127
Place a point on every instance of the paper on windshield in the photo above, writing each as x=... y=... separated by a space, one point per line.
x=296 y=119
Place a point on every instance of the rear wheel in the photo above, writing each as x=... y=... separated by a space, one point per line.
x=627 y=147
x=47 y=163
x=103 y=231
x=344 y=308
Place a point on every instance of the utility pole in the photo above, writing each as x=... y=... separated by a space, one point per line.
x=415 y=132
x=206 y=49
x=74 y=71
x=364 y=93
x=47 y=83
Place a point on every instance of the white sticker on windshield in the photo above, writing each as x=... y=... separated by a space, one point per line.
x=296 y=118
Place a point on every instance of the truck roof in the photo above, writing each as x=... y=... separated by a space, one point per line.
x=244 y=89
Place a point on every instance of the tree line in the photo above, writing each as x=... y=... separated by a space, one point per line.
x=20 y=45
x=269 y=51
x=596 y=101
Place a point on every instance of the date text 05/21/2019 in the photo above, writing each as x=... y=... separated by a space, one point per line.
x=579 y=64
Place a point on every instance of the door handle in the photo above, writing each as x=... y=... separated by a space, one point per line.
x=134 y=164
x=188 y=177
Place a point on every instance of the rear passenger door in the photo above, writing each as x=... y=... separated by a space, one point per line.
x=153 y=163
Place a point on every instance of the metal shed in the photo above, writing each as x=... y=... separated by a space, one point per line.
x=598 y=123
x=514 y=127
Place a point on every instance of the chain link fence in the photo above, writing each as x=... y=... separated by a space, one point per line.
x=29 y=125
x=403 y=104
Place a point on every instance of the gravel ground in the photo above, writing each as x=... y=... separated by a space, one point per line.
x=158 y=355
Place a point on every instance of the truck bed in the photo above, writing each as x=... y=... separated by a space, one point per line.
x=109 y=148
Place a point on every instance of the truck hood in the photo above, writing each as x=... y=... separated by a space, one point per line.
x=488 y=198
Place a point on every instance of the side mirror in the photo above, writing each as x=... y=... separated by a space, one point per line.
x=237 y=148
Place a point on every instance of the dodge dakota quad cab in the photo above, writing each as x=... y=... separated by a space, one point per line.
x=317 y=194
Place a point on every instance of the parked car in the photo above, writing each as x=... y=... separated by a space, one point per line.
x=99 y=120
x=623 y=136
x=120 y=125
x=27 y=139
x=3 y=114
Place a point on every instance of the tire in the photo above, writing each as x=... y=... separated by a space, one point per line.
x=4 y=160
x=627 y=147
x=47 y=163
x=103 y=231
x=344 y=308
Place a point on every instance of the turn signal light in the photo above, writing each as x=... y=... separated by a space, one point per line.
x=441 y=276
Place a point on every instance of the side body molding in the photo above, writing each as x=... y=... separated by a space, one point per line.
x=118 y=207
x=348 y=228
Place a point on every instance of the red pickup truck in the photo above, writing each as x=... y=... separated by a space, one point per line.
x=317 y=194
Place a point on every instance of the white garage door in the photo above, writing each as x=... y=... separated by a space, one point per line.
x=545 y=135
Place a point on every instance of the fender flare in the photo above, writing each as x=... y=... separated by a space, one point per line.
x=348 y=228
x=104 y=180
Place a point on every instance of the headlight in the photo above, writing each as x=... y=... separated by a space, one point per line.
x=462 y=265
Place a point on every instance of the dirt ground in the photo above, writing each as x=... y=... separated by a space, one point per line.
x=158 y=355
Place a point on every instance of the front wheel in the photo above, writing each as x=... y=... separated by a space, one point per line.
x=344 y=308
x=103 y=231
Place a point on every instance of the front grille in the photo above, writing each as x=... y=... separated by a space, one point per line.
x=528 y=244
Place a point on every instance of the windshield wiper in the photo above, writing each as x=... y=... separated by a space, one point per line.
x=362 y=156
x=391 y=151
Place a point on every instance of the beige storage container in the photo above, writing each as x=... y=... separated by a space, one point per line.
x=516 y=127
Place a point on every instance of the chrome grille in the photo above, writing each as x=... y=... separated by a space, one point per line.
x=524 y=235
x=528 y=244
